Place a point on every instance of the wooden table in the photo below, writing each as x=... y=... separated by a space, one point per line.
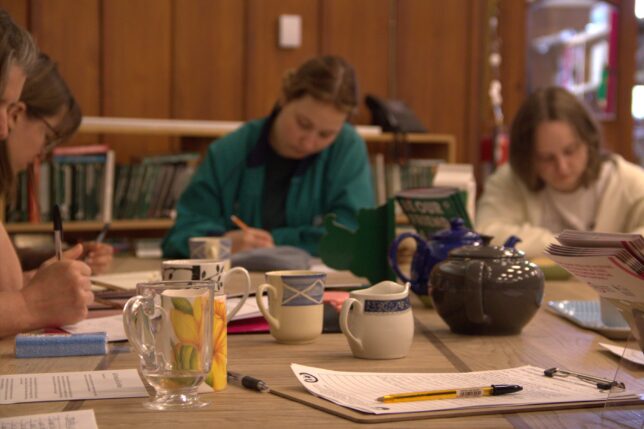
x=546 y=342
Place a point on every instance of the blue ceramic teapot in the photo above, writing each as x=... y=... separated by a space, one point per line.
x=436 y=249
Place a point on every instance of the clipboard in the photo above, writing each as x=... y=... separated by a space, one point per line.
x=300 y=394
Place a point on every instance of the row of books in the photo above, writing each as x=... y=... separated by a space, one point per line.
x=87 y=185
x=391 y=177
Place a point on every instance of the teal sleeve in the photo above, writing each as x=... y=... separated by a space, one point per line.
x=347 y=189
x=199 y=211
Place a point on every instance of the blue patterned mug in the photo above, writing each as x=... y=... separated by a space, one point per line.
x=295 y=308
x=378 y=322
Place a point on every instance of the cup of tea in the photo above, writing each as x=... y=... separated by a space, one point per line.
x=295 y=305
x=215 y=271
x=169 y=325
x=378 y=321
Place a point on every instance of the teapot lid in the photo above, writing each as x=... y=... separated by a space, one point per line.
x=477 y=251
x=457 y=232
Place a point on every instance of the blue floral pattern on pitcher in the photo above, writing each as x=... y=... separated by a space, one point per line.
x=395 y=306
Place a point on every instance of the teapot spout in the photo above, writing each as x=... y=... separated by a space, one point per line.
x=511 y=241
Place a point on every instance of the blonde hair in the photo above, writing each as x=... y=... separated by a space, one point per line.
x=328 y=79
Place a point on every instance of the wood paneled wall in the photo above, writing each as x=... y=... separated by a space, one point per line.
x=219 y=59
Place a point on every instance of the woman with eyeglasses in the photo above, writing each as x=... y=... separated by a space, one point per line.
x=558 y=178
x=46 y=115
x=58 y=292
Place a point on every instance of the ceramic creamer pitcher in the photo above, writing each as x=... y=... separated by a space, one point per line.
x=378 y=321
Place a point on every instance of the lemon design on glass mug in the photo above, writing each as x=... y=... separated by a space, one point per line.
x=187 y=321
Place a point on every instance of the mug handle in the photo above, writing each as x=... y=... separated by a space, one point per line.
x=231 y=313
x=344 y=322
x=474 y=292
x=275 y=324
x=393 y=253
x=135 y=307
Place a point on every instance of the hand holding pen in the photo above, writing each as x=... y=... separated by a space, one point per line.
x=247 y=237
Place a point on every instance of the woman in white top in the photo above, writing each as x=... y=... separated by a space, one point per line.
x=558 y=178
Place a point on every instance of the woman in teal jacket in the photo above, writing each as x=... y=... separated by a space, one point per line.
x=284 y=173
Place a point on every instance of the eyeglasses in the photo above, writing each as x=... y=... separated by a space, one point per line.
x=600 y=383
x=50 y=142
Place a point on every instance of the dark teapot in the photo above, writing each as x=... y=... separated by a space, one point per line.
x=482 y=289
x=429 y=253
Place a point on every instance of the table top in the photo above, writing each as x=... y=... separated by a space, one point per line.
x=547 y=341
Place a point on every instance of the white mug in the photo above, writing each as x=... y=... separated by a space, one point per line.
x=378 y=322
x=295 y=305
x=206 y=269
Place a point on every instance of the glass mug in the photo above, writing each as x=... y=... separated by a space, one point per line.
x=169 y=324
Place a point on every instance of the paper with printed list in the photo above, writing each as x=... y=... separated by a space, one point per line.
x=360 y=390
x=79 y=419
x=70 y=386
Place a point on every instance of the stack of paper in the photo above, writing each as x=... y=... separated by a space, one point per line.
x=613 y=264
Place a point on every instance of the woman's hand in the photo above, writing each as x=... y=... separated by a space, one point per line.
x=58 y=294
x=249 y=238
x=98 y=256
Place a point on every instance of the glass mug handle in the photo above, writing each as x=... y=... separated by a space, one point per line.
x=231 y=313
x=134 y=307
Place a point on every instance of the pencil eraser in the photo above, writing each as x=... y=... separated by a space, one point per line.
x=51 y=345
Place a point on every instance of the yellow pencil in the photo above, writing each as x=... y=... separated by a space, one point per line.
x=240 y=223
x=470 y=392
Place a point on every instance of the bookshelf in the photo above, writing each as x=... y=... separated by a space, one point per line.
x=439 y=146
x=575 y=45
x=196 y=135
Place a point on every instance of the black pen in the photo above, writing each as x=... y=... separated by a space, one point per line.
x=58 y=231
x=248 y=382
x=103 y=233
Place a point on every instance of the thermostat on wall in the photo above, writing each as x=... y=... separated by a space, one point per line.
x=290 y=31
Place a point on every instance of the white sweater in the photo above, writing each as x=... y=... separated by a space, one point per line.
x=507 y=207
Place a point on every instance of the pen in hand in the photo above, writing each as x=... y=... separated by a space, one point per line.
x=468 y=392
x=240 y=223
x=103 y=233
x=58 y=231
x=248 y=382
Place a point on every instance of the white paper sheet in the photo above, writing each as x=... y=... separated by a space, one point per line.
x=80 y=419
x=360 y=390
x=248 y=310
x=632 y=355
x=111 y=325
x=71 y=386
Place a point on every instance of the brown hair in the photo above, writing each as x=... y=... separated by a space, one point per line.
x=45 y=93
x=327 y=78
x=551 y=104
